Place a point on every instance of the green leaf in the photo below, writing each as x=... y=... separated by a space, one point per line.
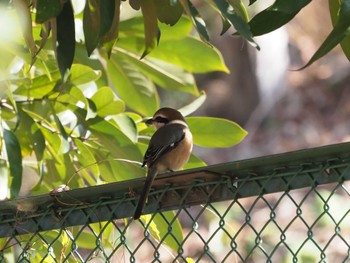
x=160 y=229
x=198 y=23
x=275 y=16
x=65 y=146
x=60 y=168
x=239 y=9
x=165 y=75
x=91 y=24
x=14 y=157
x=72 y=100
x=134 y=27
x=212 y=8
x=215 y=132
x=169 y=11
x=45 y=34
x=108 y=39
x=46 y=9
x=81 y=74
x=237 y=21
x=132 y=86
x=194 y=162
x=56 y=143
x=87 y=159
x=135 y=4
x=127 y=125
x=30 y=137
x=25 y=19
x=334 y=6
x=65 y=38
x=94 y=62
x=106 y=103
x=340 y=31
x=188 y=53
x=194 y=105
x=152 y=33
x=113 y=139
x=3 y=180
x=107 y=9
x=39 y=86
x=113 y=170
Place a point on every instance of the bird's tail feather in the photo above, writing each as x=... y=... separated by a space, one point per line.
x=152 y=172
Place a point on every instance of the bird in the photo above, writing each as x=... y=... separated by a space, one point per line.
x=169 y=149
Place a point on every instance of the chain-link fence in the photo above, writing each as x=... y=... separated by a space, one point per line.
x=291 y=207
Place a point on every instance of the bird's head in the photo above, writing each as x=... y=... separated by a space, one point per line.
x=165 y=116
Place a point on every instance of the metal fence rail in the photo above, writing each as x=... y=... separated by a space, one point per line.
x=292 y=207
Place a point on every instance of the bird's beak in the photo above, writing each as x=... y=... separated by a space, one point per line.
x=149 y=121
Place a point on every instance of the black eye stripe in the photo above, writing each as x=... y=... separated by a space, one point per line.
x=161 y=119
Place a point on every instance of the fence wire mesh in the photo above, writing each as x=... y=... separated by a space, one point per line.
x=293 y=207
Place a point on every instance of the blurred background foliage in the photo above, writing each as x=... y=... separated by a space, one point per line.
x=78 y=77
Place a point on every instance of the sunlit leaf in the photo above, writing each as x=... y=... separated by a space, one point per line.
x=3 y=180
x=165 y=75
x=159 y=228
x=114 y=170
x=22 y=8
x=86 y=240
x=82 y=74
x=30 y=137
x=45 y=32
x=215 y=132
x=194 y=162
x=61 y=168
x=86 y=159
x=194 y=105
x=106 y=103
x=65 y=146
x=91 y=24
x=134 y=28
x=187 y=54
x=113 y=139
x=71 y=100
x=39 y=86
x=55 y=136
x=14 y=157
x=133 y=87
x=126 y=125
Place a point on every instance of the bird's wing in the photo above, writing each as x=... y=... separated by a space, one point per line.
x=163 y=140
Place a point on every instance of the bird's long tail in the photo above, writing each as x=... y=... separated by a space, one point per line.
x=152 y=172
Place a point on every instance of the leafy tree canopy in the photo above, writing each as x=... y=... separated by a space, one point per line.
x=72 y=108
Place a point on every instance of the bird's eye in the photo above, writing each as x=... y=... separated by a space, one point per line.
x=161 y=120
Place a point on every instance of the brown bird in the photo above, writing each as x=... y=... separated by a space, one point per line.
x=168 y=150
